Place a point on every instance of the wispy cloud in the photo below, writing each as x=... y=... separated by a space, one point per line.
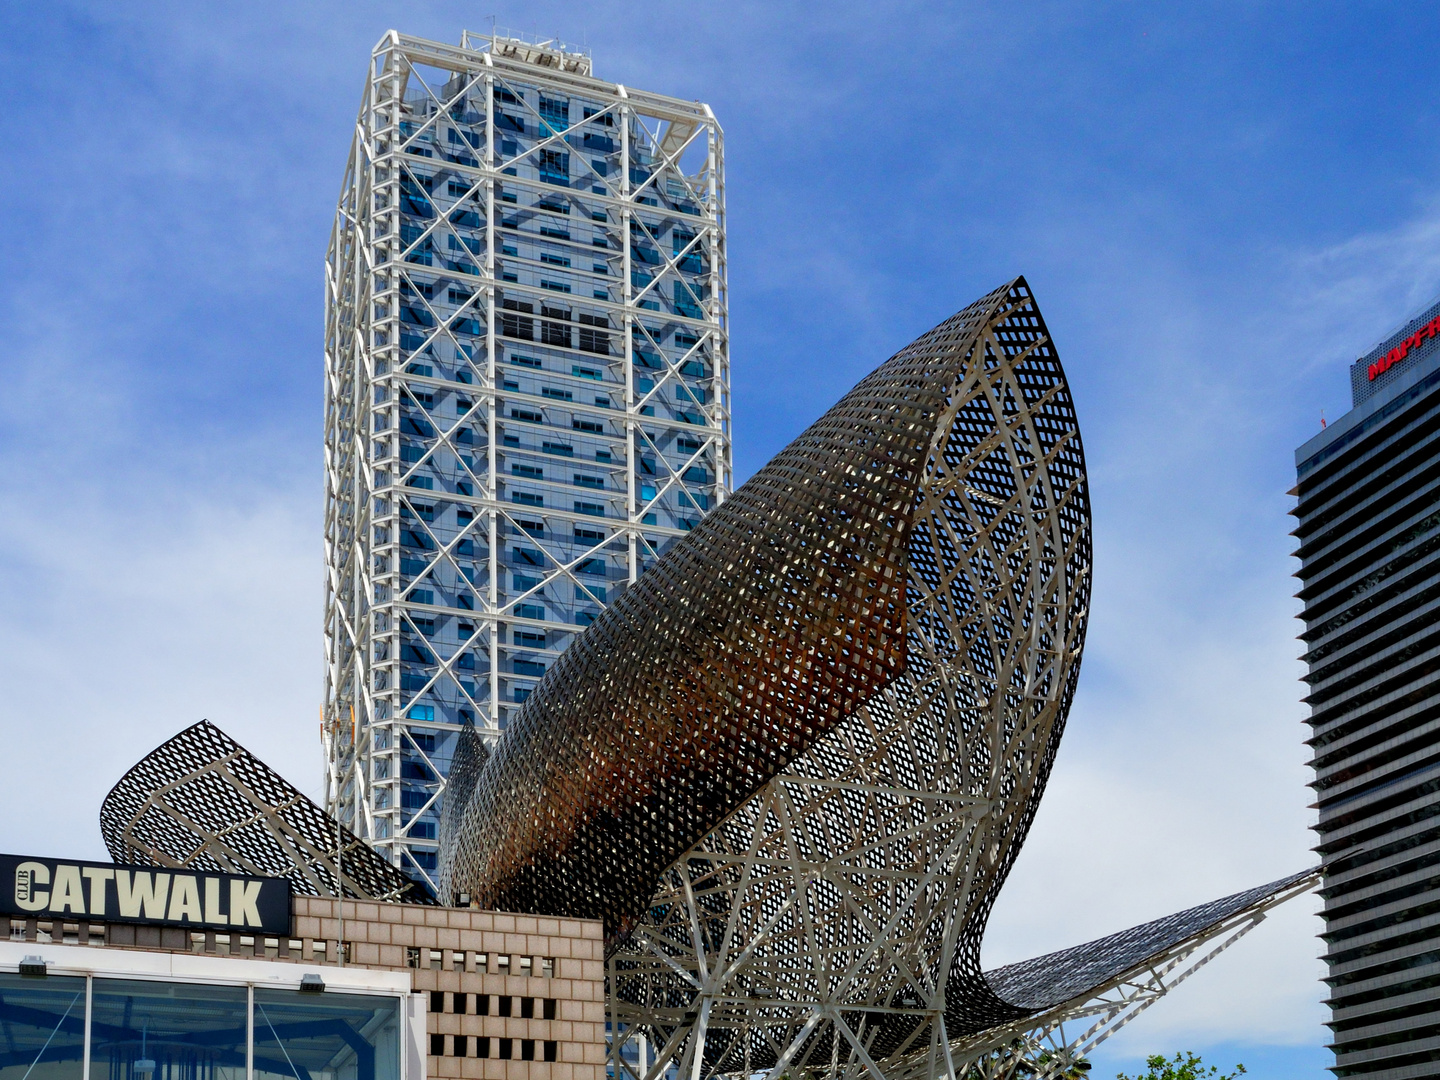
x=131 y=616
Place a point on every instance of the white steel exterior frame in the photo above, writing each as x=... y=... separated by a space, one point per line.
x=666 y=429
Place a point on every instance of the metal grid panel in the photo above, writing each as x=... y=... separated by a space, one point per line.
x=836 y=917
x=204 y=802
x=1044 y=982
x=791 y=768
x=880 y=635
x=771 y=623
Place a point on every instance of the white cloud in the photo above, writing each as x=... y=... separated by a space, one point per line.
x=135 y=616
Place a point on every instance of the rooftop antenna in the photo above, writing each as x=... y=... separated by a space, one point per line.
x=492 y=29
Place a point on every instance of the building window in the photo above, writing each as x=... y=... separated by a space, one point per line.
x=555 y=110
x=189 y=1029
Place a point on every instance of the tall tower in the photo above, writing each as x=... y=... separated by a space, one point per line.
x=1369 y=531
x=526 y=394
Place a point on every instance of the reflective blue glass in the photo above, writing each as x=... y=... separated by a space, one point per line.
x=326 y=1036
x=43 y=1025
x=142 y=1030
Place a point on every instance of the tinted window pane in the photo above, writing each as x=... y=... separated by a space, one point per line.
x=326 y=1036
x=166 y=1031
x=42 y=1022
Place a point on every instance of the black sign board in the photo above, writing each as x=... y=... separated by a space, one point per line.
x=106 y=892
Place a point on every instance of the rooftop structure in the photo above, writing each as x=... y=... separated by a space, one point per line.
x=527 y=395
x=1369 y=549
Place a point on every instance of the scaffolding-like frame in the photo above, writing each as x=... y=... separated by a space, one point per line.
x=413 y=90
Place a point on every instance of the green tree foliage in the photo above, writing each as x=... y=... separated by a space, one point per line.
x=1186 y=1066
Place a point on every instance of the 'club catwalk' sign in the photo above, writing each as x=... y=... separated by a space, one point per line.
x=106 y=892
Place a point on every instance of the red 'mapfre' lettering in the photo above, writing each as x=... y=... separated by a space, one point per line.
x=1399 y=352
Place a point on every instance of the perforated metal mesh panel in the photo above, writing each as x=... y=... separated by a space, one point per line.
x=838 y=699
x=1044 y=982
x=202 y=801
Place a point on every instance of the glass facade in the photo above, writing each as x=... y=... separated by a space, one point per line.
x=527 y=396
x=43 y=1027
x=142 y=1029
x=325 y=1036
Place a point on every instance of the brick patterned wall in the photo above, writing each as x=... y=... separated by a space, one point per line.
x=480 y=967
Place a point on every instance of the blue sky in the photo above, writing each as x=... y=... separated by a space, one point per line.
x=1218 y=205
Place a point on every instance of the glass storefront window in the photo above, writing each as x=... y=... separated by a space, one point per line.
x=142 y=1030
x=326 y=1036
x=42 y=1027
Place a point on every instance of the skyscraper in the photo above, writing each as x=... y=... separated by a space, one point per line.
x=526 y=394
x=1369 y=531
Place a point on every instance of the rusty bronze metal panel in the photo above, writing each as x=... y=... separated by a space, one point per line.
x=202 y=801
x=786 y=611
x=861 y=875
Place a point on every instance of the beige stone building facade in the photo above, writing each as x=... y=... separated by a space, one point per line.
x=510 y=997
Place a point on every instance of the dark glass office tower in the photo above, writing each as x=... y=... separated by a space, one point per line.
x=1369 y=531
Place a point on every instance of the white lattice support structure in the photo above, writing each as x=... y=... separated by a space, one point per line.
x=1045 y=1044
x=527 y=393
